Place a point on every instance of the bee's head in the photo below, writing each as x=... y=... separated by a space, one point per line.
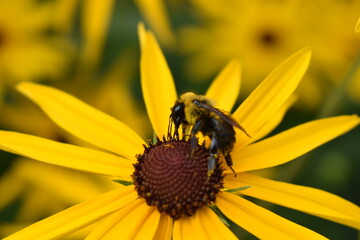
x=177 y=115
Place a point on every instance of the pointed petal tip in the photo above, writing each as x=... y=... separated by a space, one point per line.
x=20 y=86
x=25 y=87
x=141 y=33
x=235 y=64
x=304 y=53
x=235 y=61
x=141 y=28
x=225 y=88
x=357 y=26
x=161 y=96
x=356 y=118
x=271 y=93
x=353 y=119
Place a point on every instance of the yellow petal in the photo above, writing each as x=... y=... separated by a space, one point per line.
x=66 y=155
x=64 y=14
x=81 y=234
x=33 y=56
x=357 y=27
x=10 y=185
x=212 y=226
x=185 y=229
x=204 y=224
x=155 y=13
x=108 y=222
x=140 y=223
x=164 y=230
x=83 y=121
x=181 y=226
x=271 y=94
x=148 y=220
x=292 y=143
x=142 y=35
x=95 y=23
x=77 y=217
x=156 y=82
x=68 y=186
x=224 y=90
x=261 y=222
x=9 y=228
x=305 y=199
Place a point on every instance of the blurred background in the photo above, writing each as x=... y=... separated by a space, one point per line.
x=90 y=49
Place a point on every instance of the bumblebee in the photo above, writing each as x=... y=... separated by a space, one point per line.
x=196 y=113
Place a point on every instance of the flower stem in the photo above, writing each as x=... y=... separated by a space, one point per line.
x=332 y=103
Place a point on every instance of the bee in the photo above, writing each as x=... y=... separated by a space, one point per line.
x=196 y=113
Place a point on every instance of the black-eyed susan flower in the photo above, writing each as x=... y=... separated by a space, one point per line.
x=173 y=198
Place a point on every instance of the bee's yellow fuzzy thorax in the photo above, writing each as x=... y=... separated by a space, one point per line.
x=192 y=112
x=189 y=97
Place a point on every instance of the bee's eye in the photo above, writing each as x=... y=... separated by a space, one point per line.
x=179 y=109
x=178 y=113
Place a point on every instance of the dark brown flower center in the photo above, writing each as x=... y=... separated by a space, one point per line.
x=268 y=38
x=175 y=180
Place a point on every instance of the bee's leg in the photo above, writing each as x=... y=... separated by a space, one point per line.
x=229 y=162
x=194 y=142
x=176 y=130
x=169 y=131
x=193 y=139
x=211 y=164
x=183 y=132
x=176 y=133
x=214 y=155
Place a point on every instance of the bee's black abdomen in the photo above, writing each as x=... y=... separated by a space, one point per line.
x=225 y=136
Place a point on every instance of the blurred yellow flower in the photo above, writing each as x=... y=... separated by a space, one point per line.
x=261 y=33
x=63 y=15
x=95 y=19
x=26 y=52
x=124 y=213
x=155 y=13
x=96 y=16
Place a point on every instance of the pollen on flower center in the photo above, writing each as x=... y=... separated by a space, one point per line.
x=174 y=180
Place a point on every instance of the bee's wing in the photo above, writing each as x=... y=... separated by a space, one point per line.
x=228 y=118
